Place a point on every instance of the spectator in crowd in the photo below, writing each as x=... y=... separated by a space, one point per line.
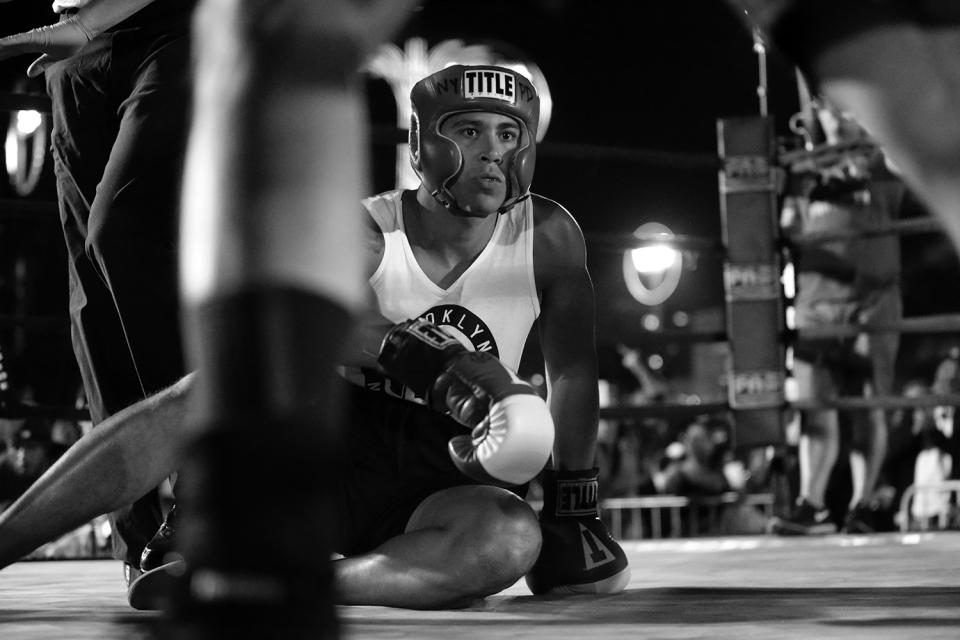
x=629 y=449
x=841 y=282
x=698 y=470
x=32 y=452
x=63 y=434
x=652 y=387
x=909 y=428
x=932 y=450
x=701 y=465
x=946 y=381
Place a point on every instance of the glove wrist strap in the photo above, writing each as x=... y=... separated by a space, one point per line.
x=415 y=353
x=570 y=494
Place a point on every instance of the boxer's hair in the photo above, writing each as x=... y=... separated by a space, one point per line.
x=462 y=89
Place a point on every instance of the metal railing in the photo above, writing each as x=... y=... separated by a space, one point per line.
x=672 y=516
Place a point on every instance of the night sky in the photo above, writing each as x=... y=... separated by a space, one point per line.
x=638 y=87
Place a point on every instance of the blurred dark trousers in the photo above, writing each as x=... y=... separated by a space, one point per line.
x=120 y=108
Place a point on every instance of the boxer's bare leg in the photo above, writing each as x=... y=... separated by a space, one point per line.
x=461 y=544
x=124 y=457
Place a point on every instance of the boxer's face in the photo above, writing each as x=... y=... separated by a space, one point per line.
x=487 y=142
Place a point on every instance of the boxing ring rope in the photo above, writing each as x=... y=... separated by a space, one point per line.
x=677 y=410
x=933 y=323
x=20 y=101
x=667 y=514
x=672 y=159
x=661 y=410
x=910 y=226
x=31 y=322
x=28 y=210
x=625 y=242
x=878 y=402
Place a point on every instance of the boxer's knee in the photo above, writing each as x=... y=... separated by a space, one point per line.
x=507 y=540
x=493 y=538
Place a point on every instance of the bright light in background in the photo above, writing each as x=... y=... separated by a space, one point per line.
x=28 y=122
x=654 y=258
x=681 y=319
x=791 y=391
x=11 y=151
x=25 y=149
x=790 y=314
x=651 y=322
x=789 y=280
x=655 y=362
x=652 y=271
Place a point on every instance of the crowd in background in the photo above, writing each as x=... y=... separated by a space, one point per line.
x=695 y=458
x=30 y=446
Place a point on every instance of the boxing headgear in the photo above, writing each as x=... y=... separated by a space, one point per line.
x=459 y=89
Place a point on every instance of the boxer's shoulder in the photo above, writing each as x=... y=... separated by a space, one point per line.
x=558 y=243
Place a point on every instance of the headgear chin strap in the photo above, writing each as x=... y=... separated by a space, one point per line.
x=460 y=89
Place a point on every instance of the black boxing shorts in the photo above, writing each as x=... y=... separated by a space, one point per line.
x=395 y=456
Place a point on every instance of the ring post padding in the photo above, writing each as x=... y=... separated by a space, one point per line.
x=754 y=303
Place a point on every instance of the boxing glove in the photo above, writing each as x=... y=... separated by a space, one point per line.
x=512 y=431
x=578 y=554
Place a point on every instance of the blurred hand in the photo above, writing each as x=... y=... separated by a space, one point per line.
x=629 y=358
x=56 y=42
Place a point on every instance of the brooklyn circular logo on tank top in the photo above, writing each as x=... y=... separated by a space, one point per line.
x=464 y=325
x=461 y=323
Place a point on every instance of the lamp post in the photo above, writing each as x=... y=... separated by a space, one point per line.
x=652 y=270
x=25 y=149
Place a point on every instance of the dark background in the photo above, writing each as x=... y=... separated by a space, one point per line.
x=637 y=88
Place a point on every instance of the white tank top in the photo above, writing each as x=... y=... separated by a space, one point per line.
x=490 y=307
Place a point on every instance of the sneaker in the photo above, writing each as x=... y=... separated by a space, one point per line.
x=160 y=548
x=806 y=520
x=130 y=573
x=154 y=590
x=865 y=518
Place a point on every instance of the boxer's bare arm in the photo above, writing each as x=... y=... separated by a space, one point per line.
x=117 y=462
x=370 y=326
x=567 y=335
